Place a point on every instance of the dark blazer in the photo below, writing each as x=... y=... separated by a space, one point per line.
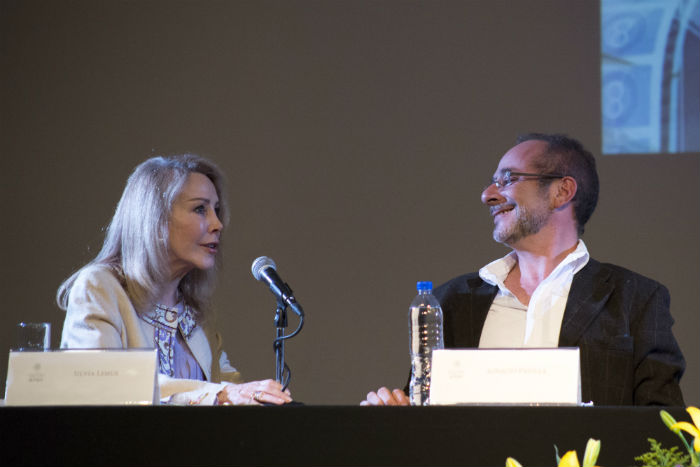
x=620 y=320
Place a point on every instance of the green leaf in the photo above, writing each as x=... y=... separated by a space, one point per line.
x=659 y=456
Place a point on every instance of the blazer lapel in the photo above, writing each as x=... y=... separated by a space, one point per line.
x=481 y=301
x=589 y=292
x=199 y=346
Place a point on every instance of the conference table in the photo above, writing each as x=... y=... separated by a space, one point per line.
x=325 y=435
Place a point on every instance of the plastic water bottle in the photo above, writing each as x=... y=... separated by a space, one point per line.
x=425 y=331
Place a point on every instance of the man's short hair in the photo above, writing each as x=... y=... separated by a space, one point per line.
x=567 y=156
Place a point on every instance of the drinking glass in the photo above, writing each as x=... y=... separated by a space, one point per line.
x=33 y=337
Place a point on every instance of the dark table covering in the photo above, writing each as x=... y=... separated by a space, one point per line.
x=325 y=435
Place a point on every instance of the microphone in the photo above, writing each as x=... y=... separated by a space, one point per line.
x=264 y=269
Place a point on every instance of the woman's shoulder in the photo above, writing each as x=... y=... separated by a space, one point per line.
x=98 y=287
x=98 y=275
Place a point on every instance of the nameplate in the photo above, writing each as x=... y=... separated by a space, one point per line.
x=506 y=377
x=82 y=377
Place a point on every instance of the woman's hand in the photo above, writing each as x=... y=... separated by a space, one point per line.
x=254 y=393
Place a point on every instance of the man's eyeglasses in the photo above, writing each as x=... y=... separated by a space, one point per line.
x=509 y=177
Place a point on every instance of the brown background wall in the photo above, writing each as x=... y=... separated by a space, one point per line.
x=356 y=137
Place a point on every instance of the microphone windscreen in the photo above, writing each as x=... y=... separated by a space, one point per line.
x=261 y=264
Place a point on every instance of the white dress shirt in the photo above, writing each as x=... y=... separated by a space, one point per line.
x=509 y=323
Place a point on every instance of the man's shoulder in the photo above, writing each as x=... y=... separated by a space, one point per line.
x=618 y=273
x=625 y=281
x=463 y=284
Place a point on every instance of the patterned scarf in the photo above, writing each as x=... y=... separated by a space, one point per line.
x=166 y=322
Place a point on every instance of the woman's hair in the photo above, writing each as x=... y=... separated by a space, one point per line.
x=136 y=242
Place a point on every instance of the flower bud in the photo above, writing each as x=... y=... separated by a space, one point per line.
x=669 y=421
x=592 y=451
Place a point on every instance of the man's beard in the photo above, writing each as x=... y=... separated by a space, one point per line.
x=527 y=222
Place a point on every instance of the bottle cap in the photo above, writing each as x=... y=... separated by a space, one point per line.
x=424 y=285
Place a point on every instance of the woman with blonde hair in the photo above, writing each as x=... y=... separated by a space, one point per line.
x=151 y=284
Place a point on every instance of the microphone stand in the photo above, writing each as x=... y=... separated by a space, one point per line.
x=280 y=324
x=282 y=371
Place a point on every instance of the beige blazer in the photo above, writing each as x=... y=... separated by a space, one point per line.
x=100 y=315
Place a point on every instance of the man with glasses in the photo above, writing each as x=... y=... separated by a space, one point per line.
x=548 y=291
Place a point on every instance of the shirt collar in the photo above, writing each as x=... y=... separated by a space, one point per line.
x=170 y=318
x=495 y=272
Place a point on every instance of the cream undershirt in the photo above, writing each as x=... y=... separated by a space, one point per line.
x=511 y=324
